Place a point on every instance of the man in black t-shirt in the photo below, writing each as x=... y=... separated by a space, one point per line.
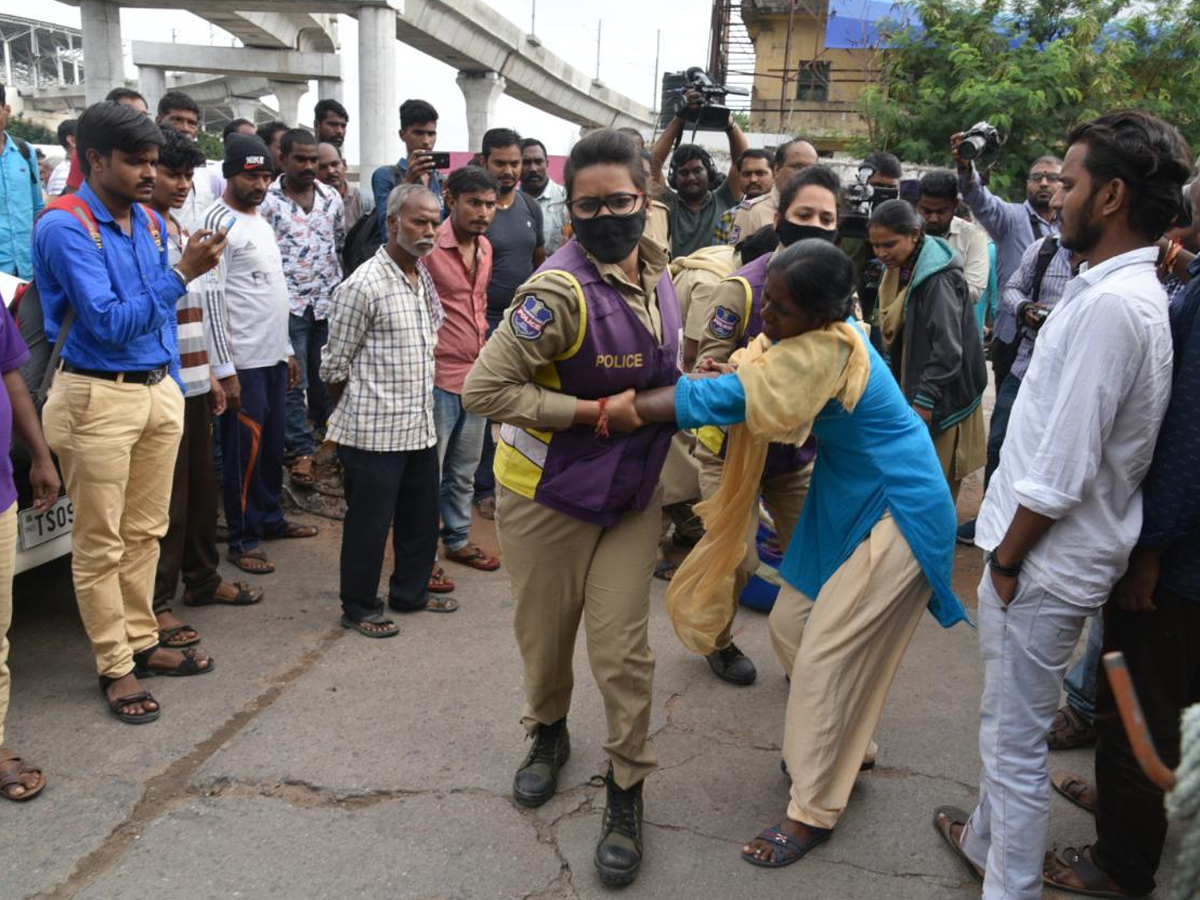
x=518 y=248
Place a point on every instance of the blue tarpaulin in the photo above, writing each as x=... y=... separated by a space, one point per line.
x=854 y=24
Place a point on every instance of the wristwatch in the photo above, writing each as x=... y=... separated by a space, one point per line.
x=1007 y=571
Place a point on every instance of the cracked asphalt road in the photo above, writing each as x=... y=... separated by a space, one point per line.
x=316 y=763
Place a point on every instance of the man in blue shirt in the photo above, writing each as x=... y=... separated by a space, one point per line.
x=20 y=198
x=113 y=416
x=418 y=130
x=1013 y=227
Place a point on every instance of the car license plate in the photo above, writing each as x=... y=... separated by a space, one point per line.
x=39 y=528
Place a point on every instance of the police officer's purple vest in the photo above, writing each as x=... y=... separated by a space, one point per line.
x=781 y=458
x=590 y=477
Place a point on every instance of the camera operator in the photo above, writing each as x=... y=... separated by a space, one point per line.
x=791 y=158
x=884 y=184
x=1013 y=226
x=694 y=201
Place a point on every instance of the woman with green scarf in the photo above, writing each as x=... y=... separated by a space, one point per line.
x=931 y=336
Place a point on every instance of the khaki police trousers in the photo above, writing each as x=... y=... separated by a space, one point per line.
x=842 y=653
x=117 y=444
x=783 y=495
x=562 y=569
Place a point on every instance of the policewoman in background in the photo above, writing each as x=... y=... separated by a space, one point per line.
x=577 y=502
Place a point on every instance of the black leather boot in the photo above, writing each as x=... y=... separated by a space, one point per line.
x=732 y=665
x=619 y=853
x=537 y=779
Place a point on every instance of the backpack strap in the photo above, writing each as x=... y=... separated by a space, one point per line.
x=23 y=148
x=1045 y=256
x=152 y=224
x=77 y=206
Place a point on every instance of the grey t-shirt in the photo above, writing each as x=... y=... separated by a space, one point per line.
x=515 y=233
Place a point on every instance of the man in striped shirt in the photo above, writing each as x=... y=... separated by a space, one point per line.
x=189 y=547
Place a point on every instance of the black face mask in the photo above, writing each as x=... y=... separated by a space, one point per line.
x=610 y=238
x=790 y=232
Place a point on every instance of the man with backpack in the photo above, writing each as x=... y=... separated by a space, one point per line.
x=114 y=415
x=20 y=198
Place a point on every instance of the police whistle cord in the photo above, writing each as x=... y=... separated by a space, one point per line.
x=1183 y=807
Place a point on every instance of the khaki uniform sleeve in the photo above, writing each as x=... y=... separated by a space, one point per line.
x=500 y=385
x=722 y=320
x=702 y=285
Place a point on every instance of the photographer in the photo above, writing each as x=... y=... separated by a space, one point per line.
x=418 y=131
x=1013 y=226
x=695 y=202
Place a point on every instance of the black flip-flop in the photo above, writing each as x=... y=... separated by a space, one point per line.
x=293 y=531
x=955 y=816
x=166 y=634
x=189 y=666
x=115 y=704
x=787 y=849
x=246 y=596
x=254 y=553
x=374 y=619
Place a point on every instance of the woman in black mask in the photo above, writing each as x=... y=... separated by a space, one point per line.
x=577 y=500
x=808 y=205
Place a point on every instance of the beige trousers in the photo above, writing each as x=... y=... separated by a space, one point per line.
x=783 y=496
x=116 y=444
x=842 y=653
x=8 y=562
x=961 y=450
x=563 y=568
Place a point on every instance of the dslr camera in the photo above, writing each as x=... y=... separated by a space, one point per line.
x=713 y=115
x=979 y=139
x=859 y=198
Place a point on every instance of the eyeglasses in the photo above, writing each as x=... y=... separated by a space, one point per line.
x=1045 y=176
x=619 y=204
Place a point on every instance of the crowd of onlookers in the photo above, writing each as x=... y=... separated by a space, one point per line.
x=213 y=323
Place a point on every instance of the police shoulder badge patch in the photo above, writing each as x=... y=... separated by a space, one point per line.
x=530 y=318
x=723 y=323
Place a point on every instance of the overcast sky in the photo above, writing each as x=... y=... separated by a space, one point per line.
x=627 y=52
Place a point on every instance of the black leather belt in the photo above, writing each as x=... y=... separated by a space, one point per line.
x=153 y=376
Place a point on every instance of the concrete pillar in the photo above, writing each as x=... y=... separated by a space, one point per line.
x=243 y=107
x=481 y=90
x=152 y=84
x=288 y=93
x=378 y=112
x=329 y=89
x=102 y=57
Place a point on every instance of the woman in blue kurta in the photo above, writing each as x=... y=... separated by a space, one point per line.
x=874 y=545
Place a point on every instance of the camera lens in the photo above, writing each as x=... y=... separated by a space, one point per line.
x=972 y=146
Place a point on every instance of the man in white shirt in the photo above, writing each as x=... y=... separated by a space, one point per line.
x=549 y=194
x=247 y=302
x=937 y=204
x=1064 y=508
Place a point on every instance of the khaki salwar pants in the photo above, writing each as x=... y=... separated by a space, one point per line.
x=842 y=653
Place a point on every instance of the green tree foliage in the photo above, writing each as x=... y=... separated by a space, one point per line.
x=1032 y=68
x=21 y=127
x=211 y=145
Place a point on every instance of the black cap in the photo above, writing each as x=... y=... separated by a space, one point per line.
x=246 y=153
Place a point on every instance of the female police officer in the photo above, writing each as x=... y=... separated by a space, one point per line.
x=577 y=499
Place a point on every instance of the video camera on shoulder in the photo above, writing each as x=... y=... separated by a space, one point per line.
x=713 y=115
x=859 y=198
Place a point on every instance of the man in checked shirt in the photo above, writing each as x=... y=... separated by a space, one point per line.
x=379 y=366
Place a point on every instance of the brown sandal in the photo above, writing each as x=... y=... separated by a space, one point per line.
x=253 y=561
x=302 y=472
x=1076 y=789
x=1070 y=731
x=944 y=820
x=12 y=767
x=474 y=556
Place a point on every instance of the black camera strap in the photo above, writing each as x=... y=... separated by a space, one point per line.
x=1045 y=256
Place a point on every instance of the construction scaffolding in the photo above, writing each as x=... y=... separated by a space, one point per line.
x=731 y=53
x=40 y=54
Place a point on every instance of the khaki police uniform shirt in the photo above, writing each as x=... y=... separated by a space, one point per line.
x=759 y=213
x=695 y=283
x=724 y=320
x=658 y=223
x=501 y=386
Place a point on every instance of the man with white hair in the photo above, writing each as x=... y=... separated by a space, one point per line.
x=379 y=366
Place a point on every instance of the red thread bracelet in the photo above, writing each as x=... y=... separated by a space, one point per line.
x=602 y=419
